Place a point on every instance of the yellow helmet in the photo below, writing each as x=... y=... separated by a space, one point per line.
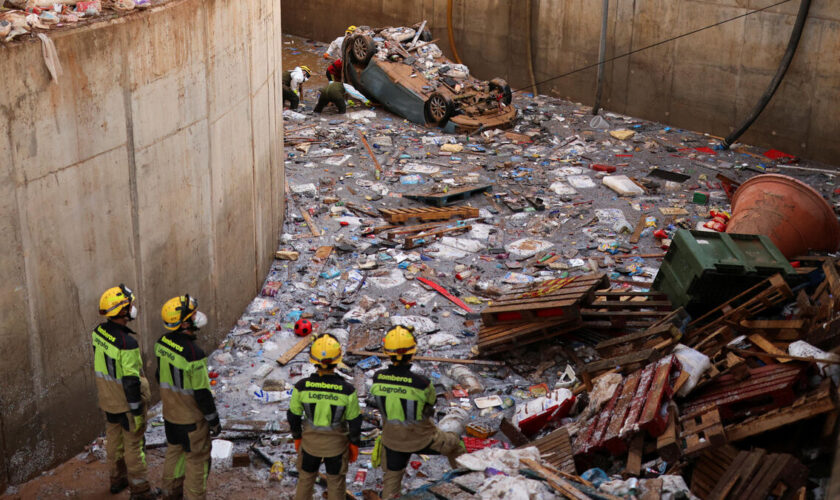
x=400 y=342
x=325 y=351
x=350 y=29
x=306 y=70
x=177 y=310
x=114 y=300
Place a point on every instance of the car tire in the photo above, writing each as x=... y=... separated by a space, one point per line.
x=361 y=49
x=502 y=86
x=438 y=109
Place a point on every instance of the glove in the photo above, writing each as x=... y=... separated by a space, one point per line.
x=139 y=421
x=297 y=92
x=297 y=444
x=350 y=102
x=368 y=103
x=215 y=427
x=326 y=56
x=354 y=452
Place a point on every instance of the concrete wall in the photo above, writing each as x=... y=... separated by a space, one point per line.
x=708 y=81
x=155 y=161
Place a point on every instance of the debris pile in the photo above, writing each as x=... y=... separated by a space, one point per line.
x=32 y=16
x=575 y=356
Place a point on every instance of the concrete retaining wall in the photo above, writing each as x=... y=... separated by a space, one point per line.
x=708 y=81
x=156 y=161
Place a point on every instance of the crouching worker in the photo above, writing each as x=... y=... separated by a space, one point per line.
x=406 y=401
x=325 y=421
x=336 y=93
x=189 y=411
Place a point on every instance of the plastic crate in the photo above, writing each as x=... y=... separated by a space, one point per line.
x=707 y=268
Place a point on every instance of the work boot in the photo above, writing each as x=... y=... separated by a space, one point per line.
x=173 y=494
x=120 y=481
x=145 y=494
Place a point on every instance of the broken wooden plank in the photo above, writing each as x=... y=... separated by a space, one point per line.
x=378 y=167
x=766 y=346
x=398 y=215
x=634 y=457
x=512 y=432
x=668 y=443
x=428 y=237
x=640 y=226
x=296 y=349
x=558 y=483
x=702 y=431
x=556 y=449
x=312 y=227
x=286 y=255
x=641 y=356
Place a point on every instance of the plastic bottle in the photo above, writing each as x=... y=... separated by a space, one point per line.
x=466 y=378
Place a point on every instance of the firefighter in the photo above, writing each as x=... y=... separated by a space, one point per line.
x=334 y=50
x=336 y=93
x=123 y=392
x=189 y=411
x=293 y=85
x=325 y=421
x=334 y=71
x=406 y=401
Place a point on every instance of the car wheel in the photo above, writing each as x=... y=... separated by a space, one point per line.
x=437 y=109
x=502 y=86
x=361 y=49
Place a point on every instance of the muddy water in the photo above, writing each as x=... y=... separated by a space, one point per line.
x=298 y=51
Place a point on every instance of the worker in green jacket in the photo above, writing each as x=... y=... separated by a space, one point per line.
x=189 y=410
x=336 y=93
x=406 y=401
x=325 y=421
x=123 y=392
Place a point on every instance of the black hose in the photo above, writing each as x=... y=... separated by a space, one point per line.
x=793 y=43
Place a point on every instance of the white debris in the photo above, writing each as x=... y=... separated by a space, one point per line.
x=527 y=247
x=420 y=324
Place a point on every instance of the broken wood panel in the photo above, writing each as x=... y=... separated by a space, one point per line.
x=767 y=387
x=702 y=431
x=556 y=449
x=711 y=465
x=768 y=347
x=490 y=337
x=419 y=239
x=651 y=418
x=638 y=401
x=668 y=443
x=512 y=432
x=738 y=473
x=818 y=402
x=558 y=483
x=643 y=355
x=427 y=213
x=295 y=350
x=547 y=333
x=452 y=195
x=612 y=440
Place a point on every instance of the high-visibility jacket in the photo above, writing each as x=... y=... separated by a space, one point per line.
x=406 y=401
x=183 y=379
x=118 y=368
x=324 y=413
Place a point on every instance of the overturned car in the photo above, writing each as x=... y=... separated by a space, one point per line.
x=406 y=71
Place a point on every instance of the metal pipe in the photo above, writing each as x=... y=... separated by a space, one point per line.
x=793 y=43
x=602 y=55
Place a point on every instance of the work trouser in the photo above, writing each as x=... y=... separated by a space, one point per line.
x=336 y=469
x=187 y=461
x=125 y=445
x=324 y=99
x=289 y=95
x=394 y=462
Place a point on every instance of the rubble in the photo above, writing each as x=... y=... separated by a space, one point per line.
x=532 y=280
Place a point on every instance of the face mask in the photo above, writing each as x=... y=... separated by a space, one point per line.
x=132 y=313
x=199 y=320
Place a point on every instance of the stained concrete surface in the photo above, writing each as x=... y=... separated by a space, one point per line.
x=154 y=162
x=709 y=81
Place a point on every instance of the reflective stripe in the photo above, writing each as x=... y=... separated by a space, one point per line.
x=164 y=385
x=134 y=406
x=111 y=364
x=410 y=409
x=338 y=414
x=106 y=377
x=380 y=403
x=211 y=417
x=177 y=376
x=333 y=427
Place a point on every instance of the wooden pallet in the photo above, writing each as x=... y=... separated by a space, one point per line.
x=755 y=475
x=810 y=405
x=451 y=196
x=662 y=335
x=711 y=465
x=417 y=240
x=767 y=387
x=557 y=298
x=702 y=431
x=619 y=309
x=634 y=408
x=556 y=449
x=400 y=215
x=768 y=293
x=506 y=336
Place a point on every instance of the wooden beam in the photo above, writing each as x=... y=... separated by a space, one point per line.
x=295 y=350
x=640 y=226
x=373 y=156
x=559 y=484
